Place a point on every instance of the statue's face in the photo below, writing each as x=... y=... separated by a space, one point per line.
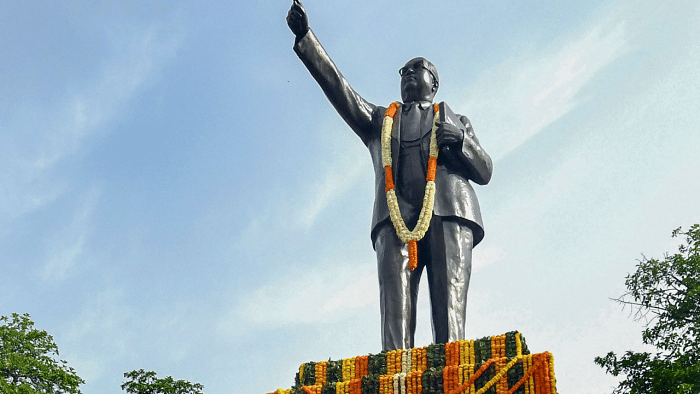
x=417 y=81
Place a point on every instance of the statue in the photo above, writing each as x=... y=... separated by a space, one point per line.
x=423 y=166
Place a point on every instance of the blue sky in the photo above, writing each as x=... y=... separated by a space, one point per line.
x=176 y=194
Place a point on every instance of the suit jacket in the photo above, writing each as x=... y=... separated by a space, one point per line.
x=454 y=195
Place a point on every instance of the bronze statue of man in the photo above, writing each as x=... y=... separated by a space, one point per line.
x=455 y=226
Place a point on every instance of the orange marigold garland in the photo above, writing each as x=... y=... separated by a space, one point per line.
x=553 y=382
x=426 y=213
x=454 y=370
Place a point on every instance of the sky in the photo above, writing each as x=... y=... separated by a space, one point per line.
x=177 y=195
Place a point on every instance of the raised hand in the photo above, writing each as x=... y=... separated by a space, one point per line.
x=297 y=20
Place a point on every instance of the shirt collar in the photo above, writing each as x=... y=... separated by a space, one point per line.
x=421 y=104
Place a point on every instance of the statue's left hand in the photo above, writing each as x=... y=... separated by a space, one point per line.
x=448 y=134
x=297 y=20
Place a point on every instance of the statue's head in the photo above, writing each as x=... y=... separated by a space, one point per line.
x=419 y=80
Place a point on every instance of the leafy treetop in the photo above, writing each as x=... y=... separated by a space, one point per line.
x=146 y=382
x=26 y=362
x=666 y=294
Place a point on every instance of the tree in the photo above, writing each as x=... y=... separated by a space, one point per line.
x=26 y=362
x=142 y=382
x=666 y=294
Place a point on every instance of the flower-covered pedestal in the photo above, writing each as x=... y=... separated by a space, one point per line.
x=492 y=365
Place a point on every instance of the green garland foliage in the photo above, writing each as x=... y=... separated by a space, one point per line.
x=511 y=345
x=432 y=381
x=436 y=355
x=370 y=384
x=334 y=371
x=377 y=363
x=309 y=373
x=514 y=375
x=297 y=390
x=328 y=389
x=485 y=377
x=524 y=345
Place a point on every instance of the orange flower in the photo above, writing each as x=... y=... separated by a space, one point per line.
x=547 y=381
x=391 y=111
x=432 y=168
x=446 y=380
x=531 y=382
x=390 y=367
x=553 y=380
x=448 y=354
x=412 y=255
x=414 y=359
x=389 y=176
x=455 y=353
x=471 y=380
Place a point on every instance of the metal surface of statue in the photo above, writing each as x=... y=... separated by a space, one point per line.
x=453 y=227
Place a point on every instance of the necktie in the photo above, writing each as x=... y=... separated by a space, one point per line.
x=410 y=129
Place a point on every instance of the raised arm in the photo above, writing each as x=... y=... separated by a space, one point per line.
x=356 y=111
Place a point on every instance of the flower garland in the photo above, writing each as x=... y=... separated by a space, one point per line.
x=500 y=364
x=426 y=212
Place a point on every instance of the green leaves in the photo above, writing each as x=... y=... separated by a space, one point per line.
x=26 y=362
x=666 y=295
x=27 y=366
x=146 y=382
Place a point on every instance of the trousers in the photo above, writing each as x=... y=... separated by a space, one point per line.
x=445 y=252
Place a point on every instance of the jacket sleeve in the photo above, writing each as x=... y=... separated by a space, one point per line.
x=356 y=111
x=472 y=156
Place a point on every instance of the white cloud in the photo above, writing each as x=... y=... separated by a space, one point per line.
x=517 y=99
x=59 y=130
x=338 y=179
x=112 y=329
x=100 y=334
x=66 y=247
x=345 y=160
x=485 y=255
x=358 y=292
x=321 y=295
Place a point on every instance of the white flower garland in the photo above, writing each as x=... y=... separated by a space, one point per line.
x=406 y=360
x=426 y=212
